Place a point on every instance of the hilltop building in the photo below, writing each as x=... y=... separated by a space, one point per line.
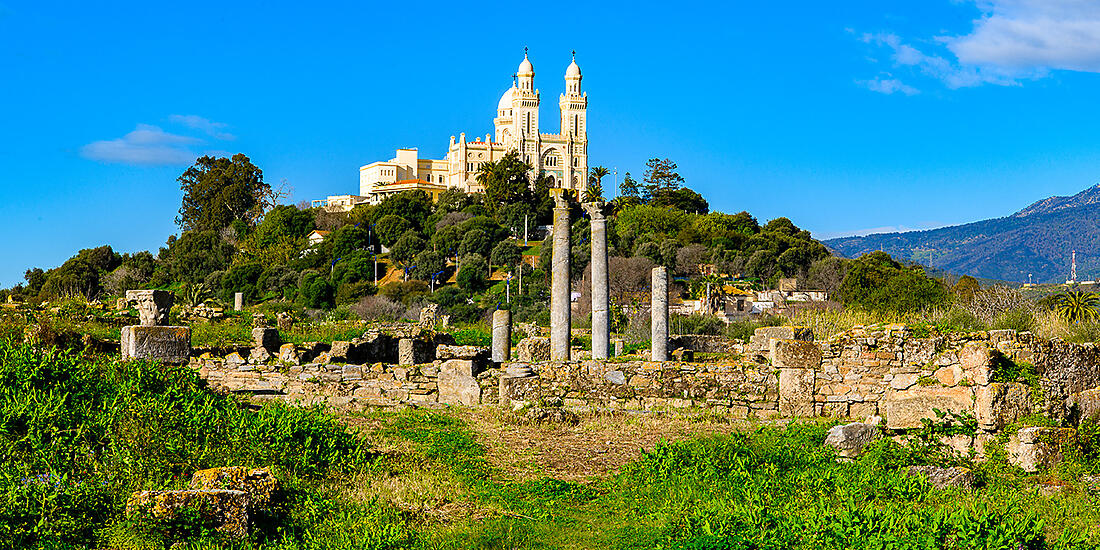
x=562 y=156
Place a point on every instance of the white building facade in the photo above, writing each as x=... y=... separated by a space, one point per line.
x=562 y=156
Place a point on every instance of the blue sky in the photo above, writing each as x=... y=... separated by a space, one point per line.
x=846 y=117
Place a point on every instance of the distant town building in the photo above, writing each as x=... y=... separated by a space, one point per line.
x=562 y=156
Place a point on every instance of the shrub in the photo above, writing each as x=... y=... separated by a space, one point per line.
x=378 y=308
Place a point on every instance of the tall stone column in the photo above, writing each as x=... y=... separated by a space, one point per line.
x=502 y=335
x=560 y=313
x=658 y=316
x=601 y=321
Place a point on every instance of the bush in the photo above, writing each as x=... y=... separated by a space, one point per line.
x=378 y=308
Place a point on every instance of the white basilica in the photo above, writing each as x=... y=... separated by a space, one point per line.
x=562 y=156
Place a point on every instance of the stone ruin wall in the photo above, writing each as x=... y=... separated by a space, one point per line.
x=882 y=370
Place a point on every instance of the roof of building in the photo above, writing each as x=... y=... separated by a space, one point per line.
x=506 y=99
x=574 y=69
x=525 y=66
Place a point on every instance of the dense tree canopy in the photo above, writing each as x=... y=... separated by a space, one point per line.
x=218 y=191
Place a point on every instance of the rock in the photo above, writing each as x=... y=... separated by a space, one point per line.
x=1086 y=404
x=553 y=415
x=259 y=355
x=615 y=377
x=905 y=409
x=457 y=383
x=762 y=337
x=1035 y=447
x=428 y=315
x=284 y=321
x=533 y=349
x=445 y=352
x=904 y=380
x=289 y=354
x=159 y=343
x=519 y=370
x=259 y=483
x=223 y=510
x=999 y=404
x=152 y=306
x=340 y=350
x=942 y=478
x=412 y=351
x=234 y=359
x=266 y=338
x=796 y=392
x=849 y=439
x=795 y=354
x=683 y=355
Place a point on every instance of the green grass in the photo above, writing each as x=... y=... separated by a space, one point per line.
x=77 y=436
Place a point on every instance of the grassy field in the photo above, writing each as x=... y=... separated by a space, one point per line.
x=78 y=435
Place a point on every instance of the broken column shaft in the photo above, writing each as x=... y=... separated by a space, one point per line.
x=560 y=313
x=658 y=324
x=502 y=335
x=601 y=322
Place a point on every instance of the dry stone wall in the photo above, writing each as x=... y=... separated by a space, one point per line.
x=882 y=370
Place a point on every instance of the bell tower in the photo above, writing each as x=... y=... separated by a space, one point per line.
x=574 y=127
x=525 y=113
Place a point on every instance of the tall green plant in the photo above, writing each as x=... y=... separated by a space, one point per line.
x=1075 y=306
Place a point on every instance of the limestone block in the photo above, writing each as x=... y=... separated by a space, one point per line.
x=234 y=360
x=238 y=301
x=259 y=483
x=223 y=510
x=905 y=409
x=615 y=377
x=152 y=306
x=795 y=354
x=259 y=355
x=904 y=380
x=762 y=337
x=412 y=351
x=683 y=355
x=999 y=404
x=850 y=439
x=1034 y=448
x=289 y=354
x=460 y=352
x=950 y=375
x=165 y=344
x=340 y=350
x=796 y=392
x=1087 y=404
x=974 y=355
x=266 y=338
x=457 y=383
x=533 y=350
x=941 y=478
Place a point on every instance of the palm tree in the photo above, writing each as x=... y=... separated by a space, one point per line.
x=1075 y=306
x=594 y=191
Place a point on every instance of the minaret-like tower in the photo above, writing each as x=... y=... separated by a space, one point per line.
x=574 y=127
x=525 y=113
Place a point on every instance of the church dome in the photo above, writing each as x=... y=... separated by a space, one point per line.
x=573 y=70
x=525 y=66
x=506 y=99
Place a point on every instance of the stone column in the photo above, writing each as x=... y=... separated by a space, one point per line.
x=560 y=312
x=502 y=335
x=238 y=301
x=601 y=322
x=658 y=314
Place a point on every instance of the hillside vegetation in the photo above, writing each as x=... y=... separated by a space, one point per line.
x=1036 y=240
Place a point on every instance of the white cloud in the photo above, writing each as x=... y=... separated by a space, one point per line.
x=1012 y=41
x=888 y=86
x=922 y=226
x=1033 y=35
x=146 y=144
x=211 y=128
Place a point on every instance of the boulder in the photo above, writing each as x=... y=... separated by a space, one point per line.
x=266 y=338
x=905 y=409
x=289 y=354
x=259 y=483
x=413 y=351
x=1035 y=447
x=259 y=355
x=457 y=383
x=850 y=439
x=222 y=510
x=533 y=349
x=941 y=478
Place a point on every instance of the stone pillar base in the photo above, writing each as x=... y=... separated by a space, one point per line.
x=165 y=344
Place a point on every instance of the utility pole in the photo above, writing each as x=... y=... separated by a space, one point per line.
x=508 y=288
x=525 y=230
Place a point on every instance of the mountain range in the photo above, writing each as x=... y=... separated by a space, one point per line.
x=1035 y=241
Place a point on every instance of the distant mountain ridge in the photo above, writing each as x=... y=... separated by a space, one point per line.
x=1037 y=240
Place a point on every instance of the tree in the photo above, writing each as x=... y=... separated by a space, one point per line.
x=1075 y=306
x=218 y=191
x=597 y=173
x=505 y=181
x=683 y=198
x=965 y=288
x=629 y=188
x=428 y=263
x=390 y=228
x=593 y=192
x=660 y=178
x=413 y=206
x=194 y=255
x=477 y=242
x=506 y=253
x=471 y=277
x=406 y=248
x=348 y=240
x=283 y=221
